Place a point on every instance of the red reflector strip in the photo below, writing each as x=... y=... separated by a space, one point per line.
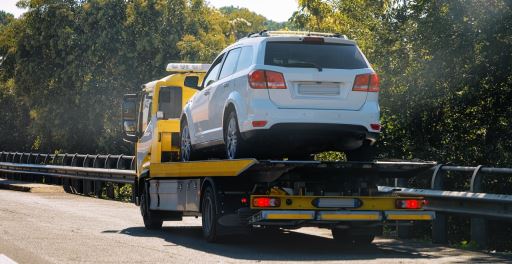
x=261 y=123
x=266 y=202
x=375 y=127
x=409 y=204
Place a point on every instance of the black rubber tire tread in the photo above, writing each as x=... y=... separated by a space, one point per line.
x=152 y=219
x=241 y=150
x=210 y=224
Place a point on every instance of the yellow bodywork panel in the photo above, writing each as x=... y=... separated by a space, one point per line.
x=370 y=216
x=149 y=151
x=306 y=202
x=402 y=215
x=208 y=168
x=297 y=216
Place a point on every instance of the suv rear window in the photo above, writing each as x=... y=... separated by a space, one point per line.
x=313 y=55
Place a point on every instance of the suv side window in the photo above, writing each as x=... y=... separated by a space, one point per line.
x=230 y=63
x=245 y=59
x=213 y=72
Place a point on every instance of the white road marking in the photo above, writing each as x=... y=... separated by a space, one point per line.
x=6 y=260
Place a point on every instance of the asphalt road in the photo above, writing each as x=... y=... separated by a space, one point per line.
x=65 y=228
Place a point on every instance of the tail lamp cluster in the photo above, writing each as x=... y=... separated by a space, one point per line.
x=410 y=204
x=366 y=83
x=266 y=202
x=263 y=79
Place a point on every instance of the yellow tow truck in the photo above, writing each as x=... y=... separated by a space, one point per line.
x=235 y=196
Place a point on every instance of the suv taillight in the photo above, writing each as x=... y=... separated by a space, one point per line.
x=366 y=83
x=260 y=79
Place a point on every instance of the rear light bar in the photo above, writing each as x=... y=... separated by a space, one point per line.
x=261 y=79
x=368 y=82
x=410 y=204
x=266 y=202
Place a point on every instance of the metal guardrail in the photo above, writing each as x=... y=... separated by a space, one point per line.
x=475 y=203
x=78 y=173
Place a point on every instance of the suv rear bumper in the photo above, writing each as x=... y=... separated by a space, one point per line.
x=310 y=137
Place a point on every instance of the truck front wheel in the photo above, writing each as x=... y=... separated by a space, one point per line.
x=209 y=215
x=152 y=218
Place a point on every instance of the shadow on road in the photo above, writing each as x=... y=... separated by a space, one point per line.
x=275 y=246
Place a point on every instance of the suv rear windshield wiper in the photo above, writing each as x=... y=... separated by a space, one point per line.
x=303 y=64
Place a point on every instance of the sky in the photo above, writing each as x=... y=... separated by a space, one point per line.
x=277 y=10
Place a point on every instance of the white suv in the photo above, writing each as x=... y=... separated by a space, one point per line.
x=284 y=94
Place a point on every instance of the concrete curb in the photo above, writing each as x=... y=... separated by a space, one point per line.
x=29 y=187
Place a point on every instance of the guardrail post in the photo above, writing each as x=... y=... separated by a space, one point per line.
x=98 y=185
x=87 y=184
x=478 y=224
x=439 y=225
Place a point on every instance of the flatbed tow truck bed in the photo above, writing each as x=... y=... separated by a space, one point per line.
x=287 y=194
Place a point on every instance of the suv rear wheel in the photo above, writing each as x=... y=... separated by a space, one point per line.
x=234 y=144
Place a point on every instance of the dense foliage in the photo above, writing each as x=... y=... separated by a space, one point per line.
x=65 y=64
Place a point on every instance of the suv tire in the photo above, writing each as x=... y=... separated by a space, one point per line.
x=233 y=142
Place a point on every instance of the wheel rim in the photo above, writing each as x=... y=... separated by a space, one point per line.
x=186 y=145
x=207 y=211
x=232 y=139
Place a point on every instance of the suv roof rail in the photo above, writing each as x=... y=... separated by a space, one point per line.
x=267 y=33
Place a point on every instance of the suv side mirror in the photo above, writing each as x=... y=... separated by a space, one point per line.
x=129 y=117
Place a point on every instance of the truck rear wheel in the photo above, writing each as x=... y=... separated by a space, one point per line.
x=353 y=237
x=209 y=215
x=152 y=219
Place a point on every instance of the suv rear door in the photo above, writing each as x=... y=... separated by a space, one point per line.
x=319 y=75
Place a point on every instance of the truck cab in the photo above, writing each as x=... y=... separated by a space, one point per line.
x=151 y=117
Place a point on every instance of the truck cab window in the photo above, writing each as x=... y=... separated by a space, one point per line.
x=170 y=102
x=146 y=111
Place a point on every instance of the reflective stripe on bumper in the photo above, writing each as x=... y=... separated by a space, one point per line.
x=410 y=215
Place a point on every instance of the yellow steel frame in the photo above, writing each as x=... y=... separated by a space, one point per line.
x=210 y=168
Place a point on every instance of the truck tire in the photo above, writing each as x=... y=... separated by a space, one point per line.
x=347 y=237
x=234 y=144
x=210 y=215
x=152 y=219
